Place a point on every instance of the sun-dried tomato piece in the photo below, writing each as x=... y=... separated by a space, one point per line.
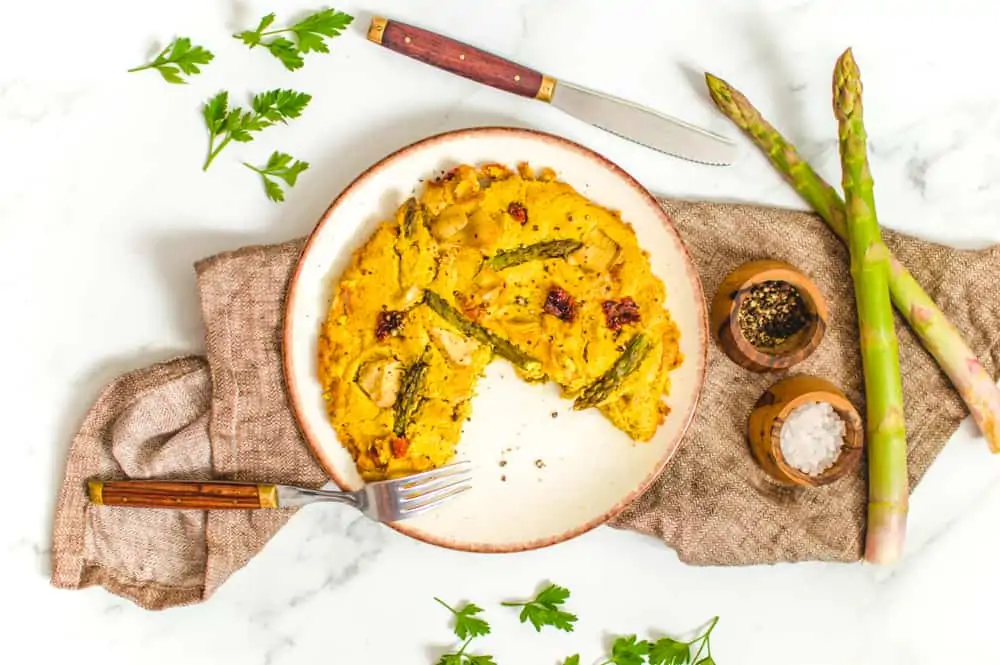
x=560 y=304
x=618 y=313
x=518 y=212
x=399 y=446
x=387 y=323
x=470 y=306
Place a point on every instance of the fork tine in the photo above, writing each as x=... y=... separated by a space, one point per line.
x=433 y=483
x=418 y=479
x=410 y=511
x=432 y=491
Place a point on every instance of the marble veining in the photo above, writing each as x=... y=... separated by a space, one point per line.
x=103 y=207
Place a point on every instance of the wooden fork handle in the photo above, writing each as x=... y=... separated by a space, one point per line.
x=459 y=58
x=191 y=494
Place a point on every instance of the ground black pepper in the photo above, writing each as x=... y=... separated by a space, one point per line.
x=770 y=313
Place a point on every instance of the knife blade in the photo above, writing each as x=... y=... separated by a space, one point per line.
x=620 y=117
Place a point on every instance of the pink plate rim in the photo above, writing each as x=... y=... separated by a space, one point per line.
x=294 y=398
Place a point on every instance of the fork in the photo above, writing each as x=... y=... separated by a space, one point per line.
x=383 y=501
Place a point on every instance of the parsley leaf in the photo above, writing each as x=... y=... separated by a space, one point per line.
x=707 y=660
x=485 y=659
x=311 y=30
x=285 y=51
x=237 y=124
x=572 y=660
x=279 y=165
x=178 y=57
x=252 y=37
x=467 y=625
x=310 y=34
x=461 y=658
x=627 y=650
x=544 y=609
x=666 y=651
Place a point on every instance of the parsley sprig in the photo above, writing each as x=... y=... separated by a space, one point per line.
x=236 y=124
x=545 y=610
x=461 y=658
x=310 y=34
x=178 y=56
x=629 y=650
x=467 y=627
x=467 y=624
x=279 y=165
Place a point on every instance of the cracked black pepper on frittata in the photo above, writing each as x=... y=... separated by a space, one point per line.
x=460 y=278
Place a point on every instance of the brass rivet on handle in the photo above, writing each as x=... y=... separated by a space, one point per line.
x=517 y=77
x=407 y=40
x=461 y=56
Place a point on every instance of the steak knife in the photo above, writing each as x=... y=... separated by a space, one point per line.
x=617 y=116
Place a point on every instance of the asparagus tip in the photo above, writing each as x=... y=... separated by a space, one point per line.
x=730 y=101
x=846 y=86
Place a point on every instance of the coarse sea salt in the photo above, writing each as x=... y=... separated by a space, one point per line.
x=812 y=437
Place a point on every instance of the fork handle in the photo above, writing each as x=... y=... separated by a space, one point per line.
x=191 y=494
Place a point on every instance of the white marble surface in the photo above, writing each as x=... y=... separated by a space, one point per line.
x=103 y=208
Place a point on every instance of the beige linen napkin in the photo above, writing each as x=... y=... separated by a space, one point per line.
x=226 y=416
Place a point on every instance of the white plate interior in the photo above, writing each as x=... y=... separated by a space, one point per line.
x=541 y=471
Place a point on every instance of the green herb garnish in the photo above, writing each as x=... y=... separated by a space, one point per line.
x=545 y=610
x=461 y=658
x=466 y=623
x=468 y=626
x=664 y=651
x=237 y=124
x=628 y=650
x=179 y=56
x=279 y=165
x=309 y=34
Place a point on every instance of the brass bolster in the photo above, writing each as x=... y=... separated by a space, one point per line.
x=546 y=90
x=95 y=488
x=268 y=496
x=376 y=29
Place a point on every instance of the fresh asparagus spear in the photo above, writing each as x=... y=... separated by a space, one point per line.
x=888 y=484
x=547 y=249
x=939 y=336
x=408 y=397
x=469 y=328
x=635 y=352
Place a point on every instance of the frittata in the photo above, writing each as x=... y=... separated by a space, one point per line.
x=491 y=263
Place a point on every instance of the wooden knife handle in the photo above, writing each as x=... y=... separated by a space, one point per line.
x=190 y=494
x=458 y=58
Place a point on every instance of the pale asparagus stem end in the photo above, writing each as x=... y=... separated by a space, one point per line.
x=885 y=534
x=938 y=335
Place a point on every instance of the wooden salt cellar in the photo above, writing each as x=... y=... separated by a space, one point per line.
x=729 y=298
x=770 y=412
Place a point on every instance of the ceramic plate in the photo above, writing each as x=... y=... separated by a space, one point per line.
x=542 y=473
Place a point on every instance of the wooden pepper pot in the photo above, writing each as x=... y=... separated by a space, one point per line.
x=730 y=298
x=770 y=413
